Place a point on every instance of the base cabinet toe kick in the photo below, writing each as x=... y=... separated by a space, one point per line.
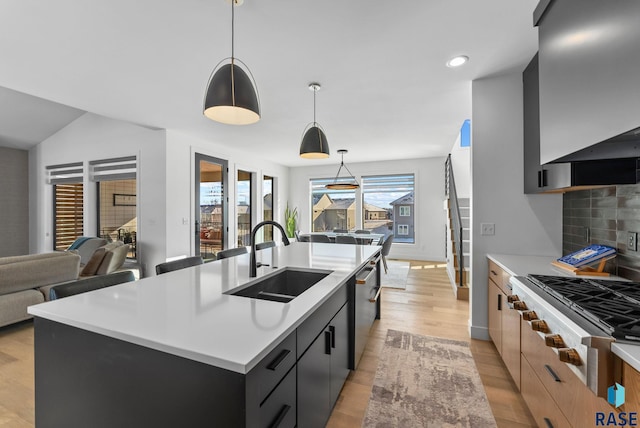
x=85 y=378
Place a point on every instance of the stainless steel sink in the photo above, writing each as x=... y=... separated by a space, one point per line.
x=281 y=286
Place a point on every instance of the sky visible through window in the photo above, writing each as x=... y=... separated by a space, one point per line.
x=211 y=193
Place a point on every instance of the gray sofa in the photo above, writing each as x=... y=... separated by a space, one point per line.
x=26 y=280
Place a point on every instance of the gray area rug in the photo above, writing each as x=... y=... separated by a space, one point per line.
x=424 y=381
x=397 y=275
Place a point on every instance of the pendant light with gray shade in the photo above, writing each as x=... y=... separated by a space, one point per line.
x=232 y=95
x=314 y=143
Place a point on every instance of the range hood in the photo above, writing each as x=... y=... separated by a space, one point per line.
x=625 y=145
x=615 y=161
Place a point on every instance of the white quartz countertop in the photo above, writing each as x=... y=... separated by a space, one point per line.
x=627 y=352
x=517 y=265
x=186 y=312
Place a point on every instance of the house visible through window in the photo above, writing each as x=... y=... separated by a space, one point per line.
x=387 y=202
x=332 y=209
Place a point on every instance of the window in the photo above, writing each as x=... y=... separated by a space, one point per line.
x=68 y=214
x=117 y=219
x=387 y=202
x=243 y=208
x=267 y=206
x=403 y=229
x=68 y=205
x=117 y=200
x=332 y=209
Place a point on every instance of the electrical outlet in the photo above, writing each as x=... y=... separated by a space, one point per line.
x=487 y=229
x=632 y=241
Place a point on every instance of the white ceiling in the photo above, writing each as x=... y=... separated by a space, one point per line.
x=386 y=92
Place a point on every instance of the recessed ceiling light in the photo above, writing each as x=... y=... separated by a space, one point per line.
x=457 y=61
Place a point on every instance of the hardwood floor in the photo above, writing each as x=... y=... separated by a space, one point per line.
x=16 y=376
x=427 y=307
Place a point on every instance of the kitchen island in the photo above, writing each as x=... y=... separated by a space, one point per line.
x=177 y=350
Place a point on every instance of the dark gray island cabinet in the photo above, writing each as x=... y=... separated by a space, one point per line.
x=84 y=378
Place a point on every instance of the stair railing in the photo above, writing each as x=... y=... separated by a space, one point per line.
x=454 y=209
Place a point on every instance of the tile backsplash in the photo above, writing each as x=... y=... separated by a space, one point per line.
x=604 y=216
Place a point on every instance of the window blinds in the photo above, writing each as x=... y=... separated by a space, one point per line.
x=124 y=168
x=402 y=183
x=65 y=173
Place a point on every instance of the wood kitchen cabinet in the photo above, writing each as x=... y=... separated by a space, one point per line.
x=504 y=321
x=551 y=390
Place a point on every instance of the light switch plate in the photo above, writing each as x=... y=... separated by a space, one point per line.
x=487 y=229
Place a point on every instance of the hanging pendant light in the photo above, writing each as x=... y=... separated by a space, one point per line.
x=231 y=95
x=343 y=185
x=314 y=143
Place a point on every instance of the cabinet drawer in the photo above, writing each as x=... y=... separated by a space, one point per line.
x=273 y=367
x=563 y=385
x=279 y=410
x=511 y=341
x=542 y=407
x=499 y=276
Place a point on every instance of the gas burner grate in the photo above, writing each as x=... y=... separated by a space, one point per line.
x=612 y=304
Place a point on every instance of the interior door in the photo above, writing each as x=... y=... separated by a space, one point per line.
x=211 y=202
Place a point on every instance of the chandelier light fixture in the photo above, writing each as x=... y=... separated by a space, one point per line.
x=314 y=143
x=343 y=185
x=232 y=95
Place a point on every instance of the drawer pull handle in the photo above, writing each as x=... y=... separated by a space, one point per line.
x=283 y=412
x=327 y=342
x=273 y=365
x=552 y=373
x=332 y=330
x=375 y=299
x=494 y=273
x=548 y=423
x=364 y=280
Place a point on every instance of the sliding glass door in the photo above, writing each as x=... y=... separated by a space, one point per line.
x=211 y=203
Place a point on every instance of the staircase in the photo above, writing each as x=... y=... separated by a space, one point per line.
x=458 y=236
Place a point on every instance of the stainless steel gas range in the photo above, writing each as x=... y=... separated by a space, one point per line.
x=580 y=318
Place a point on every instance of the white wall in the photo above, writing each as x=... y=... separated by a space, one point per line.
x=461 y=163
x=524 y=224
x=93 y=137
x=429 y=194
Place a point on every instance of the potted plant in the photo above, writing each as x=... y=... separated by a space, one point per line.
x=290 y=221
